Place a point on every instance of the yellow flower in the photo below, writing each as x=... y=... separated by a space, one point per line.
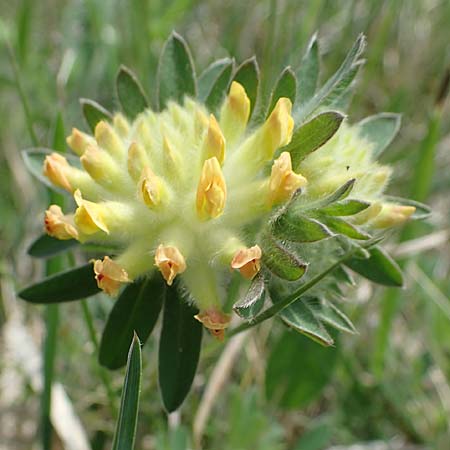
x=215 y=321
x=89 y=216
x=109 y=275
x=55 y=169
x=149 y=188
x=211 y=190
x=170 y=262
x=283 y=180
x=392 y=215
x=79 y=141
x=58 y=225
x=247 y=261
x=214 y=144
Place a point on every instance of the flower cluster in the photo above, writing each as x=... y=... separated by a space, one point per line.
x=180 y=191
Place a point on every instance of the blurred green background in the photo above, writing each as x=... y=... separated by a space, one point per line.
x=386 y=388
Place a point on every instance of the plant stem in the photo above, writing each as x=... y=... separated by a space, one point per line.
x=284 y=303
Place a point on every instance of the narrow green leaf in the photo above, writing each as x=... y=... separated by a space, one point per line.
x=210 y=75
x=339 y=194
x=176 y=74
x=135 y=311
x=125 y=432
x=253 y=301
x=67 y=286
x=336 y=83
x=298 y=228
x=345 y=208
x=219 y=90
x=247 y=74
x=298 y=370
x=329 y=314
x=340 y=97
x=179 y=349
x=130 y=93
x=422 y=211
x=343 y=227
x=34 y=162
x=308 y=72
x=379 y=267
x=45 y=246
x=380 y=130
x=281 y=261
x=285 y=86
x=94 y=113
x=301 y=318
x=312 y=135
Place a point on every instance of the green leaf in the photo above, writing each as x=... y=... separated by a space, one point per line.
x=45 y=246
x=130 y=93
x=422 y=211
x=34 y=162
x=94 y=113
x=308 y=72
x=380 y=130
x=247 y=74
x=135 y=311
x=67 y=286
x=125 y=432
x=285 y=86
x=337 y=83
x=301 y=318
x=176 y=74
x=329 y=314
x=281 y=261
x=343 y=227
x=179 y=349
x=253 y=301
x=214 y=82
x=298 y=228
x=379 y=267
x=312 y=135
x=298 y=370
x=345 y=208
x=339 y=194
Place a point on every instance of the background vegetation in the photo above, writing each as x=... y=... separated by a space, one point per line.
x=386 y=388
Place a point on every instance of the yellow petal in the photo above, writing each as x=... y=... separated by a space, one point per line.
x=211 y=190
x=149 y=188
x=235 y=112
x=55 y=169
x=277 y=131
x=392 y=215
x=89 y=216
x=121 y=125
x=247 y=261
x=78 y=141
x=283 y=180
x=58 y=225
x=170 y=262
x=214 y=144
x=109 y=275
x=215 y=321
x=98 y=164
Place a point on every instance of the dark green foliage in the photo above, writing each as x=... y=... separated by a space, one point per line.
x=94 y=113
x=46 y=246
x=253 y=301
x=130 y=93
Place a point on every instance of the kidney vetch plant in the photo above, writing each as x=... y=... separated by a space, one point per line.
x=216 y=200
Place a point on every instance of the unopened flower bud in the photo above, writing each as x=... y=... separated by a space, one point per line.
x=121 y=125
x=89 y=216
x=137 y=160
x=211 y=190
x=392 y=215
x=79 y=141
x=58 y=225
x=247 y=261
x=99 y=165
x=55 y=169
x=149 y=188
x=283 y=180
x=108 y=139
x=170 y=262
x=235 y=113
x=214 y=143
x=109 y=275
x=215 y=321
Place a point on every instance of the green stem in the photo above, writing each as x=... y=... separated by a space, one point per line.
x=22 y=95
x=285 y=302
x=101 y=371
